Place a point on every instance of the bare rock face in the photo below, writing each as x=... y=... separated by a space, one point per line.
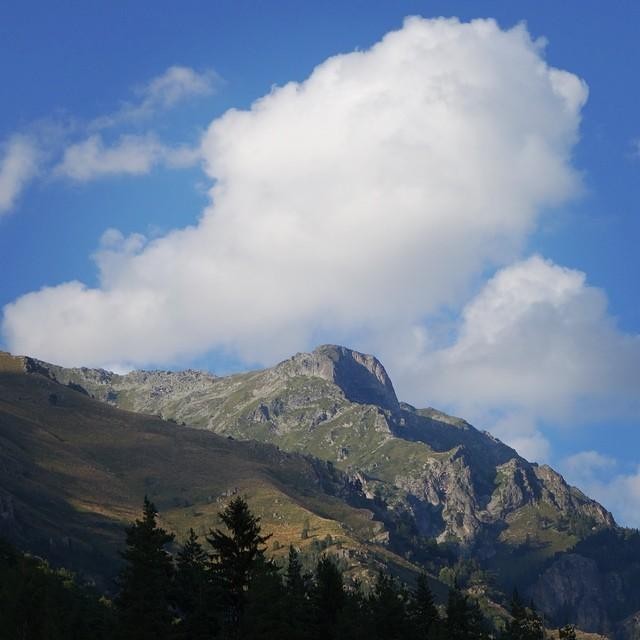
x=573 y=583
x=361 y=377
x=630 y=627
x=517 y=485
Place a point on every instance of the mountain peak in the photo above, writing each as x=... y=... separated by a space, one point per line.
x=360 y=376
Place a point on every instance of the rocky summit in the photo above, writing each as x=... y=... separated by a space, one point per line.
x=422 y=476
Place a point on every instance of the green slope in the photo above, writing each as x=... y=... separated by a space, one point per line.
x=73 y=472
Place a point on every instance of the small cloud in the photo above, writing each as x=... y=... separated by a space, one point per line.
x=23 y=157
x=162 y=93
x=176 y=84
x=19 y=164
x=587 y=464
x=131 y=155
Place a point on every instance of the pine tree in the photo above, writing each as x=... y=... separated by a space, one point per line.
x=328 y=597
x=146 y=580
x=294 y=580
x=422 y=609
x=266 y=615
x=237 y=556
x=525 y=624
x=388 y=606
x=464 y=618
x=195 y=592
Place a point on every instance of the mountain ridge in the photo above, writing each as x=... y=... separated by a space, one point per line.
x=334 y=386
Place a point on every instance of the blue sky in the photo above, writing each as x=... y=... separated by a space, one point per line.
x=444 y=199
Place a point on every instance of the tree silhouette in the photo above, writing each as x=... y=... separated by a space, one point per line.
x=144 y=602
x=237 y=556
x=526 y=624
x=328 y=597
x=196 y=595
x=422 y=609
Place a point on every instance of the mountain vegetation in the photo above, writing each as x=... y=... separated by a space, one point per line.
x=412 y=508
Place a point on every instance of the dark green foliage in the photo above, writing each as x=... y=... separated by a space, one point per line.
x=144 y=603
x=422 y=610
x=236 y=557
x=233 y=593
x=389 y=609
x=328 y=597
x=195 y=591
x=39 y=603
x=265 y=615
x=568 y=632
x=294 y=580
x=464 y=618
x=526 y=623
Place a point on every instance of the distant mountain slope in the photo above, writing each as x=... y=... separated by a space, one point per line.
x=340 y=405
x=73 y=472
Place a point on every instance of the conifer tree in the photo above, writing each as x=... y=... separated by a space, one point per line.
x=388 y=605
x=328 y=597
x=525 y=624
x=422 y=609
x=195 y=593
x=294 y=580
x=237 y=556
x=144 y=602
x=464 y=618
x=266 y=615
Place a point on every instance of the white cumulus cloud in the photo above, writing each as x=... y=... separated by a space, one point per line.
x=364 y=198
x=536 y=344
x=19 y=163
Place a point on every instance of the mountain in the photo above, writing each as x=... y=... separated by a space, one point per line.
x=74 y=471
x=336 y=404
x=321 y=440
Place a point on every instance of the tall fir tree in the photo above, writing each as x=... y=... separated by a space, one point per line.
x=422 y=610
x=144 y=602
x=525 y=624
x=294 y=579
x=237 y=555
x=296 y=597
x=195 y=592
x=266 y=615
x=464 y=618
x=328 y=598
x=389 y=608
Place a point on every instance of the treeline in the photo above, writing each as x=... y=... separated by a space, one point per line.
x=225 y=587
x=38 y=602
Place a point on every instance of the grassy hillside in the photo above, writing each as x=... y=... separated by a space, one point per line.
x=73 y=472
